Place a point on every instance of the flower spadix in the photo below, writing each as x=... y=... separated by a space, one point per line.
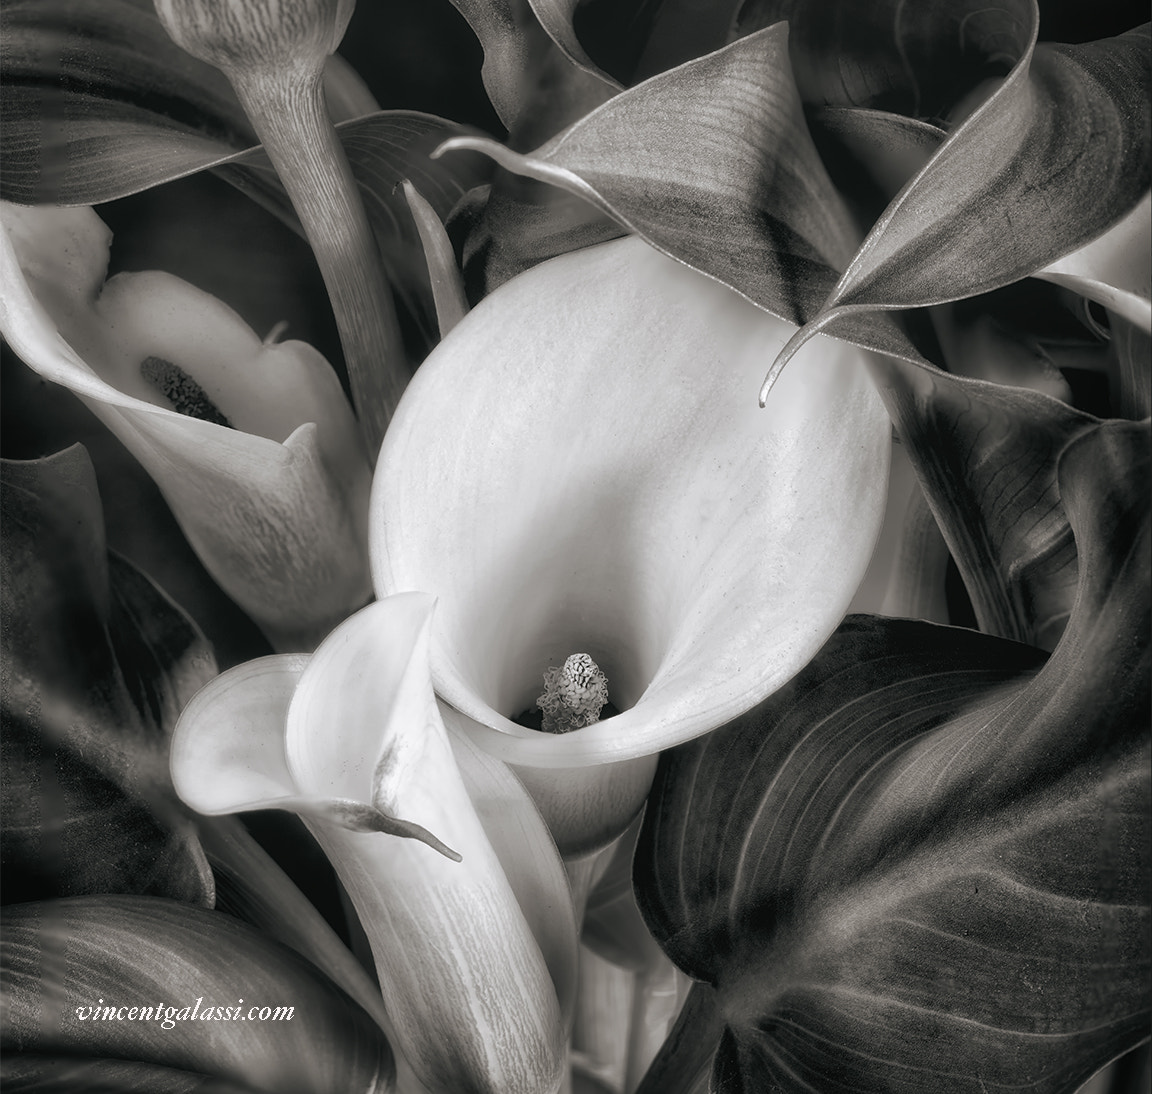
x=581 y=467
x=471 y=922
x=253 y=444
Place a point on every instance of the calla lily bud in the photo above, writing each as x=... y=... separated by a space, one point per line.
x=253 y=444
x=609 y=488
x=257 y=33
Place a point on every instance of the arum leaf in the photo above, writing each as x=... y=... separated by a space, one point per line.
x=61 y=958
x=447 y=284
x=986 y=456
x=907 y=574
x=921 y=863
x=1052 y=159
x=99 y=103
x=916 y=60
x=98 y=94
x=734 y=190
x=97 y=663
x=535 y=555
x=28 y=1073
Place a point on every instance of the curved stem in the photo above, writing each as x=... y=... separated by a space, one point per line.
x=289 y=115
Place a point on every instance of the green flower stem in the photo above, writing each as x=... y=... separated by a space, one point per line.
x=291 y=119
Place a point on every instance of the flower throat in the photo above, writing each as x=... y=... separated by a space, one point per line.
x=575 y=695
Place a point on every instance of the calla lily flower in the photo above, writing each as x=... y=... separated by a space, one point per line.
x=581 y=467
x=475 y=946
x=252 y=443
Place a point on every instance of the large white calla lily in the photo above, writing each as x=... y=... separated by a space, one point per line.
x=581 y=467
x=253 y=445
x=477 y=957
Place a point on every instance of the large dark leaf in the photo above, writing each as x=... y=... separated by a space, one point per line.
x=713 y=164
x=97 y=664
x=923 y=863
x=62 y=959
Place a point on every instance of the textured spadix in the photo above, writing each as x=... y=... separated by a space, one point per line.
x=471 y=955
x=581 y=466
x=275 y=506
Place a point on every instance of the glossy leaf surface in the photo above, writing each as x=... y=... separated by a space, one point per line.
x=922 y=863
x=60 y=958
x=98 y=662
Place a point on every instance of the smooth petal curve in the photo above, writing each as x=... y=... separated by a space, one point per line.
x=526 y=851
x=228 y=747
x=465 y=983
x=279 y=525
x=694 y=604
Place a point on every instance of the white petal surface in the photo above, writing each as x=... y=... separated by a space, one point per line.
x=228 y=746
x=581 y=466
x=279 y=526
x=463 y=979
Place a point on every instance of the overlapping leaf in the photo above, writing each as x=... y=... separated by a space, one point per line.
x=985 y=455
x=922 y=864
x=97 y=97
x=713 y=164
x=97 y=665
x=1058 y=153
x=60 y=959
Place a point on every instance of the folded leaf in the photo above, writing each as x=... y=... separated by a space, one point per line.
x=986 y=456
x=712 y=163
x=97 y=663
x=534 y=87
x=211 y=995
x=921 y=864
x=1056 y=155
x=99 y=103
x=122 y=99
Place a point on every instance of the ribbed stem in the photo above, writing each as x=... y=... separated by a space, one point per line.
x=288 y=112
